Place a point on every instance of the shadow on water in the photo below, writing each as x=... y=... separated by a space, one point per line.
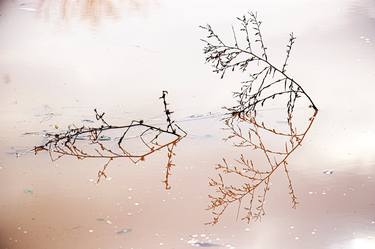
x=246 y=182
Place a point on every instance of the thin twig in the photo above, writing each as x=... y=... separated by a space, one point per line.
x=89 y=142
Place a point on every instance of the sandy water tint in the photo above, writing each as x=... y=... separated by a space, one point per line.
x=56 y=67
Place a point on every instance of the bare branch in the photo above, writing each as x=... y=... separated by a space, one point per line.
x=90 y=142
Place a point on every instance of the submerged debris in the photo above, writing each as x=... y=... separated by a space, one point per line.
x=31 y=133
x=204 y=244
x=124 y=231
x=88 y=121
x=328 y=172
x=28 y=191
x=104 y=220
x=204 y=240
x=104 y=138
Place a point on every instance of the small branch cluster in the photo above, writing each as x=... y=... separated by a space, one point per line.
x=265 y=83
x=230 y=57
x=90 y=142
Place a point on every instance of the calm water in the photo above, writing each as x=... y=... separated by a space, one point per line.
x=61 y=59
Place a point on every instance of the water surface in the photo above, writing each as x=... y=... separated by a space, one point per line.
x=57 y=65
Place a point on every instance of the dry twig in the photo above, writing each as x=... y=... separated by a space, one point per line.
x=90 y=142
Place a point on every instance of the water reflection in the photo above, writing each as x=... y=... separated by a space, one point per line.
x=362 y=19
x=65 y=205
x=246 y=182
x=92 y=10
x=365 y=8
x=89 y=10
x=95 y=142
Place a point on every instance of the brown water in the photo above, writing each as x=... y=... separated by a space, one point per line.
x=59 y=63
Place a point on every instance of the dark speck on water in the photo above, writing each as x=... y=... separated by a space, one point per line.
x=104 y=138
x=87 y=121
x=32 y=133
x=6 y=77
x=28 y=191
x=328 y=172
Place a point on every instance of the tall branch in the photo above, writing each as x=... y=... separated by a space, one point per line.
x=243 y=178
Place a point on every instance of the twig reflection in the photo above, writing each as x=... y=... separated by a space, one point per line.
x=267 y=85
x=91 y=142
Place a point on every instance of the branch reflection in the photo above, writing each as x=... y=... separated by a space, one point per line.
x=245 y=181
x=110 y=142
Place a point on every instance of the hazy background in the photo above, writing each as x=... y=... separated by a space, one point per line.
x=61 y=59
